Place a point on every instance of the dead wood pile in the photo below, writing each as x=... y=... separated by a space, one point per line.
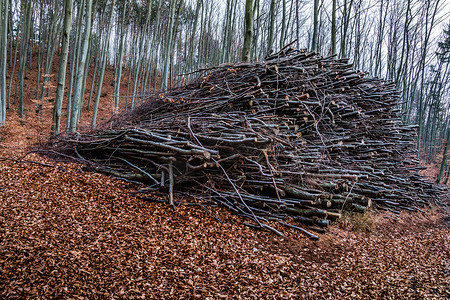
x=296 y=137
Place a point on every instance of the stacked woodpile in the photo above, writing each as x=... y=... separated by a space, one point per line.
x=295 y=137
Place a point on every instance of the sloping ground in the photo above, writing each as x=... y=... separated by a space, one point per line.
x=65 y=233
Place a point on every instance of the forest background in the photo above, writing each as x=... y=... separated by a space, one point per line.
x=153 y=45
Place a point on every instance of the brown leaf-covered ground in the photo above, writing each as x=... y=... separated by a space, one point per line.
x=65 y=233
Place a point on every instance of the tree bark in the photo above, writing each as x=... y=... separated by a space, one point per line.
x=315 y=37
x=77 y=97
x=333 y=28
x=119 y=61
x=3 y=57
x=103 y=66
x=68 y=9
x=444 y=158
x=248 y=31
x=271 y=25
x=23 y=54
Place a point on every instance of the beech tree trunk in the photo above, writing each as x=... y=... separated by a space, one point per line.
x=77 y=97
x=248 y=31
x=315 y=37
x=444 y=158
x=23 y=53
x=3 y=57
x=333 y=28
x=68 y=8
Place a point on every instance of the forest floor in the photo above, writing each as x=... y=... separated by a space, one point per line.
x=66 y=233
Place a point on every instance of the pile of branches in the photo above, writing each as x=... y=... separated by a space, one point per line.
x=296 y=137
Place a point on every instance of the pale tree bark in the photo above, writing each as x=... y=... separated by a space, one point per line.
x=103 y=66
x=315 y=36
x=174 y=38
x=77 y=97
x=89 y=59
x=68 y=8
x=51 y=44
x=131 y=67
x=190 y=57
x=23 y=53
x=16 y=50
x=40 y=49
x=156 y=45
x=167 y=46
x=142 y=51
x=3 y=57
x=151 y=62
x=11 y=31
x=297 y=22
x=257 y=26
x=97 y=57
x=119 y=60
x=74 y=61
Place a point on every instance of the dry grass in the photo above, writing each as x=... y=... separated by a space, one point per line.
x=359 y=222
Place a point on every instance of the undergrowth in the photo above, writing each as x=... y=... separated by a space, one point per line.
x=360 y=222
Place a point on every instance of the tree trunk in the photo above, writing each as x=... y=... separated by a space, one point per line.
x=257 y=16
x=119 y=61
x=94 y=78
x=190 y=57
x=444 y=158
x=3 y=57
x=271 y=26
x=74 y=62
x=16 y=50
x=167 y=45
x=142 y=51
x=103 y=65
x=68 y=8
x=345 y=24
x=428 y=29
x=23 y=54
x=315 y=37
x=248 y=31
x=333 y=28
x=77 y=97
x=283 y=24
x=51 y=43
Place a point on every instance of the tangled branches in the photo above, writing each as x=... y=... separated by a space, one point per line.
x=297 y=136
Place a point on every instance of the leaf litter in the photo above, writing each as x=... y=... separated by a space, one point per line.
x=66 y=233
